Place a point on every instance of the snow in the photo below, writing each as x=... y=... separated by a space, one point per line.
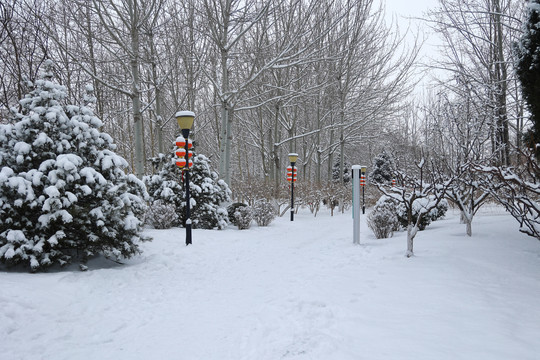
x=185 y=114
x=292 y=290
x=22 y=148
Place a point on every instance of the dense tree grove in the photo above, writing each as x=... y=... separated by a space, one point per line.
x=264 y=77
x=329 y=80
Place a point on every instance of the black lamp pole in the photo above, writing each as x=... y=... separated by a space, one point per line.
x=292 y=190
x=293 y=157
x=185 y=134
x=185 y=122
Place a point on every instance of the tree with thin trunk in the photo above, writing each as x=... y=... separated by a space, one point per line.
x=417 y=196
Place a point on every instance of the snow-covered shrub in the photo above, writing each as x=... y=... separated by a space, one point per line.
x=208 y=193
x=263 y=213
x=336 y=195
x=231 y=209
x=419 y=205
x=161 y=215
x=63 y=191
x=382 y=220
x=251 y=189
x=243 y=217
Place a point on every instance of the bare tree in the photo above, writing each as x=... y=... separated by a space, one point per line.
x=518 y=190
x=417 y=196
x=23 y=49
x=457 y=136
x=478 y=36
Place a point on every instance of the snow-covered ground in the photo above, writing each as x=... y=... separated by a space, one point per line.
x=297 y=290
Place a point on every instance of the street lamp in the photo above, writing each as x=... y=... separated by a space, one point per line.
x=291 y=177
x=185 y=121
x=363 y=185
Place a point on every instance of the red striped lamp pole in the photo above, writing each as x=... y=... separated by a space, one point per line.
x=291 y=177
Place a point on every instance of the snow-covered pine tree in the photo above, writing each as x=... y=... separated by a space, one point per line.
x=63 y=192
x=346 y=172
x=528 y=71
x=208 y=192
x=165 y=187
x=382 y=169
x=210 y=195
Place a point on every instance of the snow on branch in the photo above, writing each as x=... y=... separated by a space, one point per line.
x=518 y=190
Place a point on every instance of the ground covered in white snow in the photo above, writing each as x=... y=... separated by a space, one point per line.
x=297 y=290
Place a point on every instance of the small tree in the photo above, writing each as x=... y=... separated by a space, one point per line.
x=63 y=192
x=417 y=197
x=208 y=192
x=382 y=169
x=468 y=196
x=518 y=190
x=346 y=172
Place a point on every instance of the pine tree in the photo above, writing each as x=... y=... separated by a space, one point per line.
x=209 y=194
x=63 y=193
x=346 y=172
x=528 y=71
x=382 y=170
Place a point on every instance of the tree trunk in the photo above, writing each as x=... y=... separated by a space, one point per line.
x=411 y=233
x=135 y=97
x=468 y=223
x=157 y=86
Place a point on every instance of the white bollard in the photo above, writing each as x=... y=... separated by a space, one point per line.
x=356 y=203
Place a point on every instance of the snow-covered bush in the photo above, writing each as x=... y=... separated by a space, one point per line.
x=161 y=215
x=263 y=213
x=382 y=220
x=231 y=209
x=419 y=205
x=208 y=192
x=243 y=217
x=63 y=192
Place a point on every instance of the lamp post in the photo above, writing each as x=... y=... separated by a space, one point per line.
x=185 y=121
x=363 y=184
x=291 y=177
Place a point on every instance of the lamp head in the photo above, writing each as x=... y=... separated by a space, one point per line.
x=185 y=119
x=293 y=157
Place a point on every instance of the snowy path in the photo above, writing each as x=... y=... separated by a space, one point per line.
x=296 y=290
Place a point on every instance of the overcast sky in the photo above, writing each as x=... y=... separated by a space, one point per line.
x=404 y=10
x=412 y=8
